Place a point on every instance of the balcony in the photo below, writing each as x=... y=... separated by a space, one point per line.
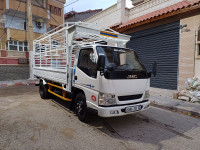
x=36 y=10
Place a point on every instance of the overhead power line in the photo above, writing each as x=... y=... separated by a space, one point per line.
x=70 y=3
x=58 y=1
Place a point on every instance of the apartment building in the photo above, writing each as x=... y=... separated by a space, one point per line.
x=46 y=14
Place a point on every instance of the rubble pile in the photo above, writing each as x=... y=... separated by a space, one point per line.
x=192 y=90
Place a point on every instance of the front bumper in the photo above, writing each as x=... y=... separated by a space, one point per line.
x=107 y=111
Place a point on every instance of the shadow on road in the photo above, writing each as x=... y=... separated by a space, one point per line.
x=140 y=127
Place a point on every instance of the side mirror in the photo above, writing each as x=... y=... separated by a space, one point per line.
x=101 y=63
x=154 y=69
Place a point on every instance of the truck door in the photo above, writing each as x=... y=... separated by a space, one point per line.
x=86 y=75
x=87 y=62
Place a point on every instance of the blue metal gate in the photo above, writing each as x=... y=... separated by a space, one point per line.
x=159 y=44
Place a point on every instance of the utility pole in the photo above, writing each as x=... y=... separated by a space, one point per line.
x=30 y=37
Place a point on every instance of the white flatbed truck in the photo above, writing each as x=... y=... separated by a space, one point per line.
x=92 y=69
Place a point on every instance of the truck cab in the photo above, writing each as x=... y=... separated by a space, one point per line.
x=113 y=80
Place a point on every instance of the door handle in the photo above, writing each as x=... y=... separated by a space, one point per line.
x=75 y=78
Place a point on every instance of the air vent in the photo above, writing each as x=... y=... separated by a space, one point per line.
x=129 y=97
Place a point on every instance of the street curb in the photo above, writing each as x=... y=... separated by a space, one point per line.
x=17 y=83
x=176 y=109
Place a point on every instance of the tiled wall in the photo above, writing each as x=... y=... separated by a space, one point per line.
x=187 y=50
x=13 y=72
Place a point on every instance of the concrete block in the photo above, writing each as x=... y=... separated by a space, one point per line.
x=175 y=95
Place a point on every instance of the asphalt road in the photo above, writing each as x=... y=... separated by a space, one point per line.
x=27 y=122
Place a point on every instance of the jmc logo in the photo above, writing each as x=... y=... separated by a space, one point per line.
x=132 y=77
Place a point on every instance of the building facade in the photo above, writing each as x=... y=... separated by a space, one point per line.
x=114 y=15
x=162 y=31
x=73 y=16
x=46 y=14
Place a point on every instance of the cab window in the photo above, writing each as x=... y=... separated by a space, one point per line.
x=87 y=62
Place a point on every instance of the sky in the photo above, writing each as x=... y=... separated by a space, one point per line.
x=83 y=5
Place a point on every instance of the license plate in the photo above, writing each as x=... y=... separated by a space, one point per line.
x=133 y=108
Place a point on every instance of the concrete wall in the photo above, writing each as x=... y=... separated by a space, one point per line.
x=11 y=53
x=37 y=11
x=106 y=18
x=81 y=16
x=2 y=4
x=55 y=19
x=20 y=35
x=13 y=72
x=188 y=64
x=11 y=57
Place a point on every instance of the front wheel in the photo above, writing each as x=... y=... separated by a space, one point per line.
x=81 y=107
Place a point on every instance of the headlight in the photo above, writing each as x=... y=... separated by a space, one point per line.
x=107 y=99
x=146 y=95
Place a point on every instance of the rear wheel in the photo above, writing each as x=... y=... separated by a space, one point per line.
x=81 y=107
x=43 y=89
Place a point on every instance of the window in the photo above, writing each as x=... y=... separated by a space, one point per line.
x=59 y=11
x=55 y=10
x=87 y=62
x=50 y=8
x=120 y=59
x=18 y=46
x=39 y=3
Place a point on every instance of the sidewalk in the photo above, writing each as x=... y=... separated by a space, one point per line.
x=175 y=105
x=18 y=82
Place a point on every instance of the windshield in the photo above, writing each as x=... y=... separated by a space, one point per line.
x=118 y=59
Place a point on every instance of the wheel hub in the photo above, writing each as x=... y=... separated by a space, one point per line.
x=80 y=107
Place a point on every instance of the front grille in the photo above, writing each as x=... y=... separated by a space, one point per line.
x=129 y=97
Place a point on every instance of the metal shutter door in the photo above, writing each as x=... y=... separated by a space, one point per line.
x=159 y=44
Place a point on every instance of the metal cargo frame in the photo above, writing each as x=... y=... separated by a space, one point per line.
x=54 y=52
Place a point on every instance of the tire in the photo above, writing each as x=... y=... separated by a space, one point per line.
x=81 y=107
x=43 y=90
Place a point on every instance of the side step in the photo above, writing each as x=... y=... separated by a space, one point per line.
x=63 y=92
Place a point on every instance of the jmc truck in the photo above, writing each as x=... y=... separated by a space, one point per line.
x=92 y=69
